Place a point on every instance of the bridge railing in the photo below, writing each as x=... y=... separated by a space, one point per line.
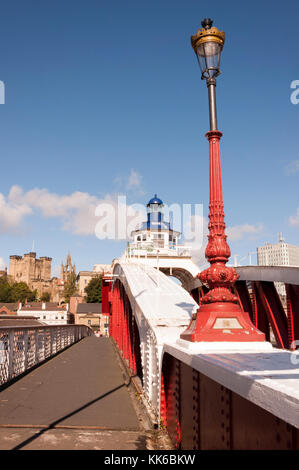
x=147 y=249
x=22 y=347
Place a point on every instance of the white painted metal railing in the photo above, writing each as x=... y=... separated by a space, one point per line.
x=22 y=347
x=150 y=249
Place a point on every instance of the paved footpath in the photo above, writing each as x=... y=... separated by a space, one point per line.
x=79 y=400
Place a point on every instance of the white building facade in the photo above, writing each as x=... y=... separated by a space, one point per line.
x=278 y=254
x=46 y=312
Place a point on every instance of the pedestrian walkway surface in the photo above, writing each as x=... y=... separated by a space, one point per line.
x=80 y=399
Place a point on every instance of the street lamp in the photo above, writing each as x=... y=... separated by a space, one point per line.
x=220 y=317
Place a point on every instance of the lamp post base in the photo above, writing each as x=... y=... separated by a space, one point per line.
x=221 y=321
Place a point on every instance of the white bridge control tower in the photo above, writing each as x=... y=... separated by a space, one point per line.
x=155 y=244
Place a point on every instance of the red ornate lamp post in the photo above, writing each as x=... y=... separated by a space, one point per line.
x=219 y=317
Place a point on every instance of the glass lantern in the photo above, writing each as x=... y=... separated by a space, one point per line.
x=208 y=44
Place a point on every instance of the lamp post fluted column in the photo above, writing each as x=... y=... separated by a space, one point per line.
x=219 y=317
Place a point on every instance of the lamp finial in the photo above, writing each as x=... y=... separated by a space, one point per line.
x=207 y=23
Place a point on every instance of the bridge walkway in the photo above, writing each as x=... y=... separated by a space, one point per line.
x=80 y=399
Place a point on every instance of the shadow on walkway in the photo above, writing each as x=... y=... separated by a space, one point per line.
x=55 y=423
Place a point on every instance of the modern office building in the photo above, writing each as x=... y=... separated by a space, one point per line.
x=278 y=254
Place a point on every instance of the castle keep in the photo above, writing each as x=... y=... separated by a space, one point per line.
x=30 y=268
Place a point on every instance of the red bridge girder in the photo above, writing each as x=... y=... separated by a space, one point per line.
x=265 y=309
x=124 y=329
x=292 y=292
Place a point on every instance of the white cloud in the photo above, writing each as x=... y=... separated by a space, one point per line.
x=292 y=167
x=294 y=219
x=76 y=211
x=131 y=182
x=234 y=233
x=198 y=245
x=134 y=182
x=2 y=264
x=12 y=213
x=237 y=232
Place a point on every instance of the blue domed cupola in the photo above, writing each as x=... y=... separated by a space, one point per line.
x=154 y=213
x=155 y=200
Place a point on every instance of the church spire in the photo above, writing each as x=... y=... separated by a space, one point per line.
x=69 y=260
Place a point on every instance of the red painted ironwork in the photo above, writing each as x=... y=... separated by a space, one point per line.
x=124 y=329
x=261 y=320
x=220 y=305
x=239 y=299
x=106 y=294
x=262 y=301
x=274 y=311
x=254 y=307
x=292 y=292
x=204 y=415
x=291 y=333
x=244 y=298
x=163 y=406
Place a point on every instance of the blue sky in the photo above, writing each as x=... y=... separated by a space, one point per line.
x=105 y=97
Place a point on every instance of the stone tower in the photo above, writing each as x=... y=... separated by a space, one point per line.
x=67 y=268
x=29 y=268
x=45 y=267
x=15 y=263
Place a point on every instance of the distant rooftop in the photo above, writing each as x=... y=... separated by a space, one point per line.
x=12 y=306
x=42 y=306
x=89 y=308
x=15 y=320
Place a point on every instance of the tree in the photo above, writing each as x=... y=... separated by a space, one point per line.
x=70 y=287
x=45 y=297
x=4 y=289
x=20 y=291
x=12 y=292
x=33 y=296
x=94 y=290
